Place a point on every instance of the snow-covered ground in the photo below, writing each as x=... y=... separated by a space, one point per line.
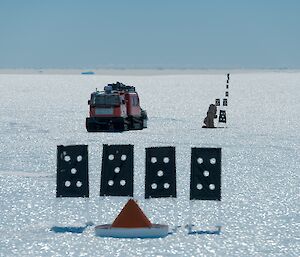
x=260 y=204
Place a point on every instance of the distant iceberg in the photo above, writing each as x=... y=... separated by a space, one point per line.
x=87 y=72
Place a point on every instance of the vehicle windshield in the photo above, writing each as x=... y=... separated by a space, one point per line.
x=106 y=100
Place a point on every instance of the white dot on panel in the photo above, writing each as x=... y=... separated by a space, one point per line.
x=160 y=173
x=111 y=157
x=110 y=182
x=212 y=187
x=166 y=185
x=199 y=186
x=117 y=169
x=153 y=160
x=67 y=158
x=79 y=158
x=67 y=183
x=154 y=186
x=213 y=160
x=73 y=171
x=122 y=182
x=123 y=157
x=78 y=183
x=206 y=173
x=200 y=160
x=166 y=160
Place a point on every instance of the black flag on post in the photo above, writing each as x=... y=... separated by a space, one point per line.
x=227 y=86
x=205 y=183
x=117 y=170
x=222 y=116
x=225 y=102
x=72 y=178
x=160 y=178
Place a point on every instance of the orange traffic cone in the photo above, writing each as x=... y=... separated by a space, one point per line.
x=132 y=223
x=131 y=216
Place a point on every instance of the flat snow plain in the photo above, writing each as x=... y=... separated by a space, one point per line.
x=259 y=211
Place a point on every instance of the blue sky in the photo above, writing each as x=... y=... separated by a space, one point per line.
x=149 y=34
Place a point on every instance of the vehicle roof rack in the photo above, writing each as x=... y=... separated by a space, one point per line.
x=118 y=86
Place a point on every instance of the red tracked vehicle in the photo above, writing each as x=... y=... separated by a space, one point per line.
x=117 y=108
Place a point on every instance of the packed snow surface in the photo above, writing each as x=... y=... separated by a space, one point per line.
x=259 y=211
